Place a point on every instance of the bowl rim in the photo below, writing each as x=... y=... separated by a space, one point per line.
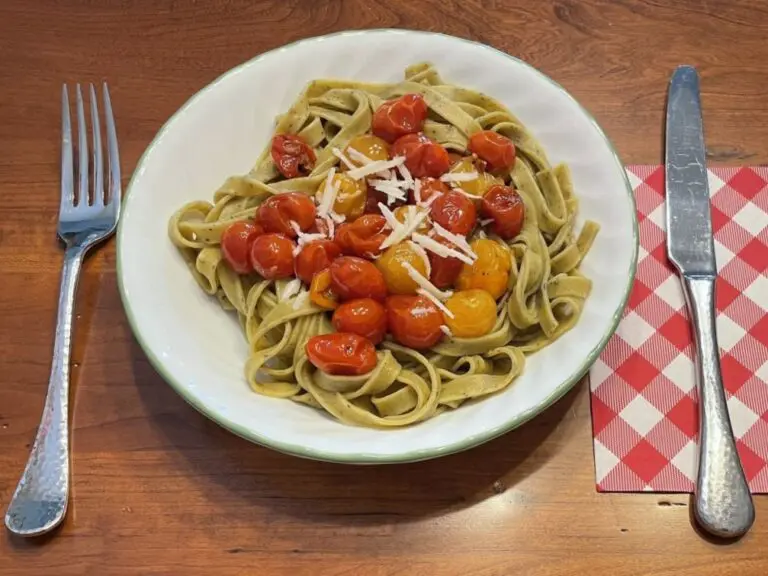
x=364 y=457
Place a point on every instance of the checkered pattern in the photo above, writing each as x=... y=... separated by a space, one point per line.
x=644 y=398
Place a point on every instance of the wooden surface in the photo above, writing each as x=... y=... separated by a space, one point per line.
x=158 y=489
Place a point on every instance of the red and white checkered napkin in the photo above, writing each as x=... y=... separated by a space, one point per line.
x=644 y=411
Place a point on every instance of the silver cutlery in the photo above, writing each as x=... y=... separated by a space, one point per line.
x=722 y=503
x=39 y=503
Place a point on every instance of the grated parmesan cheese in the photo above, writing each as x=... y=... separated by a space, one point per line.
x=374 y=167
x=417 y=191
x=346 y=161
x=402 y=231
x=440 y=249
x=459 y=177
x=336 y=217
x=358 y=156
x=329 y=194
x=423 y=255
x=486 y=221
x=446 y=330
x=425 y=284
x=436 y=301
x=455 y=239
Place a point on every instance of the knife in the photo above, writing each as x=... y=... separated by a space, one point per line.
x=722 y=503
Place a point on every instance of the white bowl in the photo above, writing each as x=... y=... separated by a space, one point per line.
x=200 y=350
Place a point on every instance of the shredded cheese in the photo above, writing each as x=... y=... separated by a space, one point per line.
x=346 y=161
x=336 y=217
x=486 y=221
x=329 y=194
x=290 y=289
x=301 y=299
x=455 y=239
x=425 y=283
x=436 y=301
x=417 y=191
x=459 y=177
x=403 y=231
x=423 y=255
x=406 y=174
x=374 y=167
x=358 y=156
x=440 y=249
x=446 y=330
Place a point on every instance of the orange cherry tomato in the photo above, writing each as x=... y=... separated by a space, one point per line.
x=363 y=237
x=504 y=205
x=351 y=197
x=414 y=321
x=276 y=213
x=454 y=212
x=236 y=243
x=498 y=151
x=423 y=156
x=320 y=292
x=490 y=272
x=429 y=187
x=292 y=155
x=402 y=214
x=341 y=354
x=445 y=270
x=364 y=317
x=353 y=277
x=399 y=117
x=315 y=257
x=272 y=256
x=474 y=313
x=370 y=146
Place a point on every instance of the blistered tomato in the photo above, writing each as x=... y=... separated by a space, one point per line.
x=351 y=198
x=364 y=316
x=272 y=256
x=320 y=292
x=341 y=354
x=396 y=118
x=292 y=155
x=477 y=186
x=490 y=272
x=315 y=257
x=445 y=269
x=353 y=277
x=414 y=321
x=474 y=313
x=368 y=145
x=496 y=150
x=363 y=237
x=236 y=244
x=423 y=156
x=504 y=205
x=393 y=267
x=454 y=212
x=277 y=212
x=429 y=187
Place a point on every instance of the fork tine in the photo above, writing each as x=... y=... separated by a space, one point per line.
x=114 y=157
x=82 y=148
x=67 y=178
x=98 y=157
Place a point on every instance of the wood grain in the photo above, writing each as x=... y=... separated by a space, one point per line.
x=158 y=489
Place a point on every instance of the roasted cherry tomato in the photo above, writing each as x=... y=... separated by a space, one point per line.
x=423 y=156
x=370 y=146
x=504 y=205
x=474 y=313
x=477 y=186
x=353 y=277
x=498 y=151
x=490 y=272
x=292 y=155
x=277 y=212
x=272 y=256
x=429 y=187
x=396 y=118
x=315 y=257
x=392 y=266
x=351 y=198
x=320 y=292
x=341 y=354
x=364 y=316
x=236 y=243
x=403 y=213
x=445 y=270
x=363 y=237
x=454 y=212
x=414 y=321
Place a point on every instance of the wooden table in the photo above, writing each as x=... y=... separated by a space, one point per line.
x=158 y=489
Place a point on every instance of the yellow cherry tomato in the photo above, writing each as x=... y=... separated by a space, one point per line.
x=401 y=214
x=480 y=185
x=474 y=313
x=490 y=272
x=395 y=274
x=369 y=146
x=350 y=201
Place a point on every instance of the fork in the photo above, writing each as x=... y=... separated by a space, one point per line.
x=39 y=503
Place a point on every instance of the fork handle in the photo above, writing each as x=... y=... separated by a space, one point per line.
x=40 y=501
x=722 y=505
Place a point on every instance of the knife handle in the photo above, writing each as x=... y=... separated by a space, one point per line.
x=722 y=504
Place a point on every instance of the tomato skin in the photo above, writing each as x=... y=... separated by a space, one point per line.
x=445 y=270
x=454 y=212
x=353 y=277
x=423 y=156
x=396 y=118
x=236 y=243
x=272 y=256
x=320 y=292
x=276 y=213
x=364 y=316
x=429 y=187
x=504 y=205
x=292 y=155
x=315 y=257
x=341 y=354
x=414 y=321
x=363 y=237
x=496 y=150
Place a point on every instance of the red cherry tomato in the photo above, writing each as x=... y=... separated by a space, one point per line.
x=454 y=212
x=504 y=205
x=315 y=257
x=414 y=321
x=292 y=155
x=272 y=256
x=363 y=236
x=353 y=277
x=276 y=213
x=236 y=243
x=498 y=151
x=364 y=317
x=319 y=227
x=445 y=270
x=423 y=156
x=429 y=187
x=341 y=354
x=399 y=117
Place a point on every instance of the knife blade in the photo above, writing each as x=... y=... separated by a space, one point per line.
x=722 y=504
